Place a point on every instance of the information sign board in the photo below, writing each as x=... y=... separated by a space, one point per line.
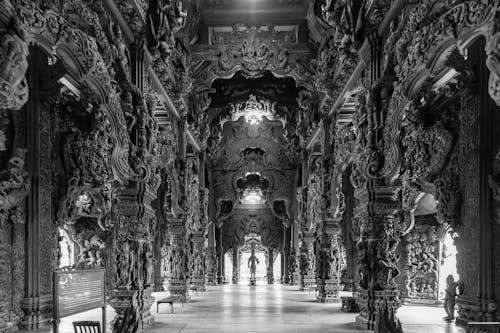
x=78 y=291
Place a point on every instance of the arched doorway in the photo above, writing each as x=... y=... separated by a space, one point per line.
x=428 y=254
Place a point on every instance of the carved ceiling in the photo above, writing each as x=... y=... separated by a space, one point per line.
x=282 y=91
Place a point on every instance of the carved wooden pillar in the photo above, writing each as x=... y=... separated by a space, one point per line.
x=236 y=265
x=132 y=298
x=285 y=257
x=270 y=264
x=220 y=256
x=41 y=234
x=179 y=279
x=378 y=211
x=307 y=261
x=475 y=243
x=137 y=63
x=211 y=258
x=198 y=278
x=14 y=186
x=297 y=262
x=331 y=261
x=212 y=261
x=350 y=236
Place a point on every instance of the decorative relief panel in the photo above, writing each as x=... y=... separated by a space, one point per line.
x=421 y=251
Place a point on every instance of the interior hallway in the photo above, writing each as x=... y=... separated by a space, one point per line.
x=267 y=308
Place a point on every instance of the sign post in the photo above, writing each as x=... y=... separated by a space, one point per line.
x=78 y=291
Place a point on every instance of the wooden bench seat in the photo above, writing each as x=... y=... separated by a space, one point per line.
x=349 y=304
x=170 y=300
x=194 y=288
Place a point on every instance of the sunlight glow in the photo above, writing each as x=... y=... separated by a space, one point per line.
x=253 y=196
x=253 y=110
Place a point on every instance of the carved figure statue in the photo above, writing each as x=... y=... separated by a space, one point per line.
x=205 y=192
x=99 y=260
x=13 y=66
x=198 y=264
x=178 y=263
x=449 y=298
x=125 y=266
x=14 y=185
x=149 y=271
x=253 y=261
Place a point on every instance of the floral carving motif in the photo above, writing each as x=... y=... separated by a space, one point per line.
x=14 y=187
x=13 y=66
x=422 y=252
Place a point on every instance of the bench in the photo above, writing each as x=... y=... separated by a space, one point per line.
x=312 y=287
x=195 y=289
x=170 y=300
x=349 y=304
x=87 y=327
x=483 y=327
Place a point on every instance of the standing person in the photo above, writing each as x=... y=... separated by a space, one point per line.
x=449 y=298
x=253 y=261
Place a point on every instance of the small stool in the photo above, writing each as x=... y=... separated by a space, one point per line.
x=195 y=289
x=170 y=300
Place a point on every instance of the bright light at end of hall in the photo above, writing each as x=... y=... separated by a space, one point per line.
x=252 y=197
x=253 y=110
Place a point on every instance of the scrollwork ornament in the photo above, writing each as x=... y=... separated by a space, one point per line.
x=448 y=195
x=13 y=67
x=494 y=182
x=14 y=187
x=493 y=59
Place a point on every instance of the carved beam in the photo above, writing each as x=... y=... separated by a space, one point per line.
x=193 y=141
x=212 y=52
x=315 y=137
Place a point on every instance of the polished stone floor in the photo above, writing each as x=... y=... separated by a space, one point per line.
x=273 y=308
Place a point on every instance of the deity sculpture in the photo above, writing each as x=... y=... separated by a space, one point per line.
x=253 y=261
x=387 y=257
x=149 y=258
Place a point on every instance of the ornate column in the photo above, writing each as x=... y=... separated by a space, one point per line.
x=377 y=211
x=179 y=279
x=270 y=264
x=132 y=298
x=211 y=258
x=307 y=261
x=350 y=235
x=236 y=265
x=331 y=261
x=41 y=233
x=197 y=219
x=14 y=184
x=475 y=245
x=285 y=258
x=198 y=277
x=295 y=263
x=220 y=256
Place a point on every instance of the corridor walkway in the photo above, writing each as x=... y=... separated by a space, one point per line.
x=277 y=308
x=265 y=308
